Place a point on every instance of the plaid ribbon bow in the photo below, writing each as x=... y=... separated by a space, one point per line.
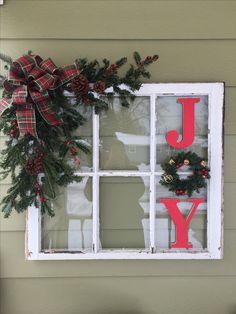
x=30 y=79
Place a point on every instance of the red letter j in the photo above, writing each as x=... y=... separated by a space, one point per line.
x=188 y=125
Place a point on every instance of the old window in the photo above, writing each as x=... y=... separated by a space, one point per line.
x=120 y=210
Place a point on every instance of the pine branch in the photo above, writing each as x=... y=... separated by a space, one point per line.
x=57 y=149
x=6 y=58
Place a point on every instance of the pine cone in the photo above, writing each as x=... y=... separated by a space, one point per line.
x=99 y=87
x=34 y=166
x=80 y=85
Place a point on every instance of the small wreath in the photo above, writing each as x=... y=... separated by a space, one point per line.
x=193 y=182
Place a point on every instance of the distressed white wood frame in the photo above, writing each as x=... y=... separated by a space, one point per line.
x=215 y=93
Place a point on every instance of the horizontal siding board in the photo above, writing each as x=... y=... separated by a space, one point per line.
x=13 y=264
x=230 y=110
x=229 y=159
x=122 y=295
x=16 y=222
x=118 y=20
x=124 y=0
x=180 y=60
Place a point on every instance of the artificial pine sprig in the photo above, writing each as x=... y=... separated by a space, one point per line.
x=39 y=164
x=107 y=75
x=6 y=59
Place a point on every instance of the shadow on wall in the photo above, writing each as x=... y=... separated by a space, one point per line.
x=73 y=296
x=118 y=305
x=127 y=312
x=110 y=299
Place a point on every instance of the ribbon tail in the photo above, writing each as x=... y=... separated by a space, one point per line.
x=5 y=104
x=42 y=101
x=47 y=114
x=26 y=120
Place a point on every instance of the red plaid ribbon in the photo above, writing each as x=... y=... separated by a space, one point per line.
x=30 y=79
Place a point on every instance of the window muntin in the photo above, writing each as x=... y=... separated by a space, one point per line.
x=152 y=221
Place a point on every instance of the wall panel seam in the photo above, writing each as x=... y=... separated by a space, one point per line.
x=119 y=38
x=136 y=276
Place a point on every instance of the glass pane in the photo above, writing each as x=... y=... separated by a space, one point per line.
x=71 y=228
x=125 y=136
x=165 y=228
x=85 y=133
x=169 y=117
x=124 y=212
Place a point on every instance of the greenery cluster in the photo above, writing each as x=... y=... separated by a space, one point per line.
x=39 y=166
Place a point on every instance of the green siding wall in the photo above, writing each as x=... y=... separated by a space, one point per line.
x=196 y=41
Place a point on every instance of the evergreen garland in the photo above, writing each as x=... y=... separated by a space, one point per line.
x=39 y=165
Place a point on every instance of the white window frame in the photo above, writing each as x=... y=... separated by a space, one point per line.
x=215 y=93
x=1 y=2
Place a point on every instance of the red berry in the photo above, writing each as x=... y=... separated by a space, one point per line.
x=87 y=101
x=204 y=172
x=179 y=165
x=77 y=162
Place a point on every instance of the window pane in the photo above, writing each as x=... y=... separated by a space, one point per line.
x=71 y=228
x=85 y=133
x=125 y=136
x=165 y=228
x=169 y=117
x=124 y=212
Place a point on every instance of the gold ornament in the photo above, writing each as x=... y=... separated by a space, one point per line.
x=203 y=163
x=171 y=162
x=168 y=178
x=186 y=162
